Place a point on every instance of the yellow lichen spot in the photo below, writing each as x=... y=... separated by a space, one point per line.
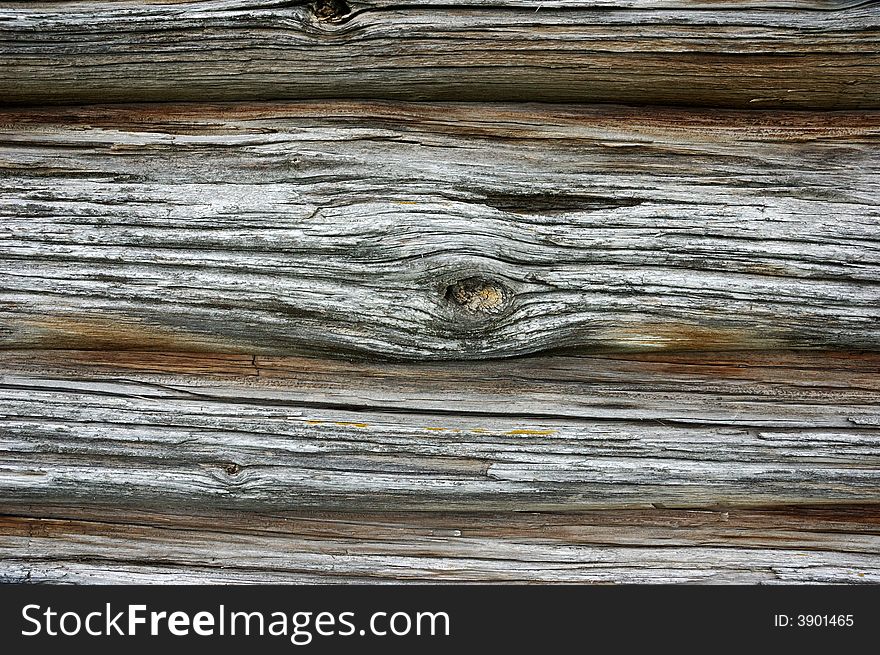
x=407 y=202
x=532 y=432
x=350 y=424
x=314 y=422
x=479 y=430
x=437 y=429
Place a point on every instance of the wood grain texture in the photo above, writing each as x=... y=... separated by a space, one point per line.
x=786 y=545
x=437 y=231
x=538 y=434
x=811 y=54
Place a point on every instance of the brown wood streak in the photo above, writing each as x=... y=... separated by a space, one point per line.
x=786 y=544
x=748 y=54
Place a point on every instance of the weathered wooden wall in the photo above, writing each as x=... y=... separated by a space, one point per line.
x=146 y=467
x=367 y=340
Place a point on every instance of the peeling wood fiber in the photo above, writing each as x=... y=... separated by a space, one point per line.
x=446 y=231
x=813 y=54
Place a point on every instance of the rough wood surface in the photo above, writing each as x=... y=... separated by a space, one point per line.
x=785 y=545
x=820 y=54
x=547 y=433
x=437 y=231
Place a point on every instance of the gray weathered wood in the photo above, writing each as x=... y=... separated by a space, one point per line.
x=437 y=231
x=820 y=54
x=786 y=545
x=546 y=433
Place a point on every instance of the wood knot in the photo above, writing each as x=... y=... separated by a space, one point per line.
x=478 y=296
x=331 y=9
x=232 y=468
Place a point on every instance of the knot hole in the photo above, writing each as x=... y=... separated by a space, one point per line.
x=478 y=296
x=331 y=9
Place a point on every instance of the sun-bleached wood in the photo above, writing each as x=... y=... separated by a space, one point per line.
x=812 y=54
x=557 y=433
x=744 y=546
x=437 y=231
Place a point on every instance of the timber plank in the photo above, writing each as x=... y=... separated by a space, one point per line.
x=744 y=546
x=780 y=53
x=437 y=231
x=558 y=433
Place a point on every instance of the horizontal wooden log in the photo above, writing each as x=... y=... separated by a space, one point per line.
x=748 y=53
x=437 y=231
x=787 y=545
x=548 y=433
